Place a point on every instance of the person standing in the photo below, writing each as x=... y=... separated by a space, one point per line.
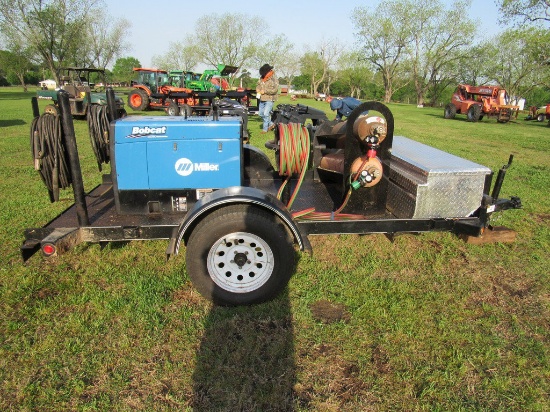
x=267 y=91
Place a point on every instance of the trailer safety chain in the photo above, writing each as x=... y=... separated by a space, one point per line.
x=98 y=127
x=49 y=153
x=295 y=147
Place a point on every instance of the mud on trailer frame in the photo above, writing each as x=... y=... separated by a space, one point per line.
x=195 y=182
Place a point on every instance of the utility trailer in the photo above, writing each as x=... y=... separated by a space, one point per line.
x=194 y=181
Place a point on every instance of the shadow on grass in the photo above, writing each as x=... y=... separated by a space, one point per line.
x=246 y=359
x=12 y=122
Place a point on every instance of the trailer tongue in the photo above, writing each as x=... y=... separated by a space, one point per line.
x=193 y=181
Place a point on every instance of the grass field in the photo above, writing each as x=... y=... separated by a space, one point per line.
x=425 y=322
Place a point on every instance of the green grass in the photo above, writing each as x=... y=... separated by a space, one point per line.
x=431 y=323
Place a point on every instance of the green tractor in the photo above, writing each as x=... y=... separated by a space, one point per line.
x=85 y=86
x=180 y=78
x=212 y=80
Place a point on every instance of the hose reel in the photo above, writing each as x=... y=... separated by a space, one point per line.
x=49 y=153
x=98 y=128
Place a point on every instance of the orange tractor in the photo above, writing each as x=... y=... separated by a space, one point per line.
x=478 y=101
x=156 y=89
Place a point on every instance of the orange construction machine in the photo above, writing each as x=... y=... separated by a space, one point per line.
x=478 y=101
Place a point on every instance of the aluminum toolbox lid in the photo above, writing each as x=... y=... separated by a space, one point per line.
x=426 y=160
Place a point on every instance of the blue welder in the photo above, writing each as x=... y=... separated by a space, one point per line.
x=164 y=164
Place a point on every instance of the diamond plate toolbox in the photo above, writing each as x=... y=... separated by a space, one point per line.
x=426 y=182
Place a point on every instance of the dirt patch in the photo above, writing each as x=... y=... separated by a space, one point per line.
x=542 y=218
x=333 y=383
x=328 y=312
x=380 y=359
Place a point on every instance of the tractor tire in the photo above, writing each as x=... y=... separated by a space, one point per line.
x=474 y=113
x=173 y=109
x=138 y=100
x=186 y=110
x=450 y=111
x=541 y=117
x=240 y=255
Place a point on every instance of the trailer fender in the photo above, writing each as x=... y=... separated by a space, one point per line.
x=230 y=196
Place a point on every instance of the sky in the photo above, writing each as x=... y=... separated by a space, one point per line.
x=304 y=22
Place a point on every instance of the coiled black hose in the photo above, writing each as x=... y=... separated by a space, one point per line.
x=49 y=153
x=98 y=127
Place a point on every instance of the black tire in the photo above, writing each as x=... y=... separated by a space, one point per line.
x=240 y=255
x=474 y=113
x=173 y=109
x=450 y=111
x=540 y=117
x=185 y=110
x=122 y=113
x=138 y=100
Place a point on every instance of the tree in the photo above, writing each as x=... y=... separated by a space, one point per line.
x=15 y=65
x=319 y=64
x=519 y=59
x=288 y=68
x=123 y=69
x=353 y=72
x=105 y=39
x=522 y=11
x=180 y=56
x=229 y=39
x=312 y=66
x=52 y=29
x=471 y=69
x=438 y=37
x=274 y=51
x=383 y=36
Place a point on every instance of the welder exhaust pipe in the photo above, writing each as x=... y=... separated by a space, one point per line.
x=74 y=162
x=500 y=178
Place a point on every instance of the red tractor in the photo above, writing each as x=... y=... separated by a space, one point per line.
x=478 y=101
x=155 y=89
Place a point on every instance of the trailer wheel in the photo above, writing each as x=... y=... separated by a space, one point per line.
x=450 y=111
x=240 y=255
x=474 y=112
x=540 y=117
x=138 y=100
x=185 y=110
x=173 y=109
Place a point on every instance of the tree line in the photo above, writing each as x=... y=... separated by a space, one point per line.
x=405 y=50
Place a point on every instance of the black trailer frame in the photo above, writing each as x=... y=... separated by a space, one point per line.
x=93 y=217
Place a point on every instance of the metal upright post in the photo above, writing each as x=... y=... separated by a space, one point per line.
x=74 y=162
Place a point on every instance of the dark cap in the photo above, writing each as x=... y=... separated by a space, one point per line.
x=266 y=68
